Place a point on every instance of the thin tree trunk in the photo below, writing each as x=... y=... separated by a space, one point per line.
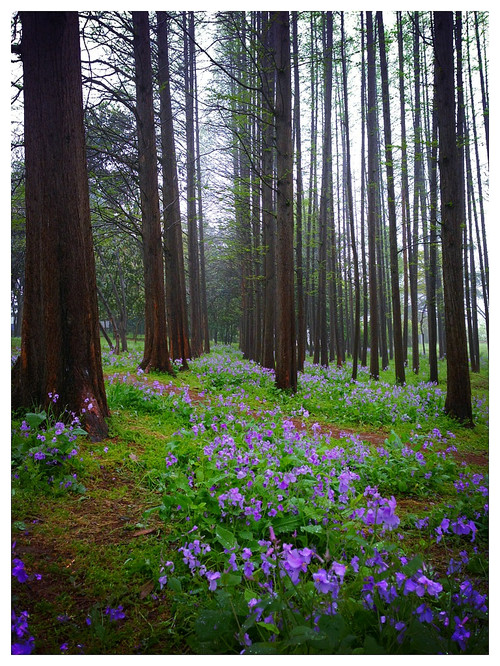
x=193 y=246
x=301 y=323
x=372 y=202
x=268 y=217
x=405 y=190
x=391 y=203
x=350 y=211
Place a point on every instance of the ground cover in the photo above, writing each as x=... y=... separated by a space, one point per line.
x=224 y=516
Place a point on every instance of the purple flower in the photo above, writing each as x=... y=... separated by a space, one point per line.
x=23 y=648
x=460 y=635
x=212 y=578
x=422 y=585
x=424 y=613
x=297 y=561
x=325 y=583
x=19 y=571
x=115 y=613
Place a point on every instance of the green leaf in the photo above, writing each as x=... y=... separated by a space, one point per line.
x=261 y=648
x=269 y=626
x=230 y=579
x=302 y=634
x=312 y=529
x=35 y=420
x=174 y=584
x=225 y=537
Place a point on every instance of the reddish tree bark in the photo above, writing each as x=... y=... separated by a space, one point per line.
x=286 y=354
x=458 y=395
x=155 y=339
x=175 y=274
x=60 y=343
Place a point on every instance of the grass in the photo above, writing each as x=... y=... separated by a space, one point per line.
x=103 y=547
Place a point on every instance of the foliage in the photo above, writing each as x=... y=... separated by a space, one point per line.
x=45 y=453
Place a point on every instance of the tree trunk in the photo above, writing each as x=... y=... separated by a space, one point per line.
x=458 y=397
x=391 y=202
x=405 y=190
x=372 y=202
x=175 y=281
x=301 y=323
x=155 y=337
x=350 y=210
x=268 y=217
x=193 y=251
x=286 y=356
x=60 y=343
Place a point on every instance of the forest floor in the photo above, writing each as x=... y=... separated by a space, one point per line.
x=104 y=566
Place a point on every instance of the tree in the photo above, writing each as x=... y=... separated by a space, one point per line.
x=175 y=281
x=372 y=184
x=193 y=251
x=458 y=396
x=391 y=204
x=350 y=211
x=60 y=344
x=268 y=216
x=286 y=354
x=155 y=339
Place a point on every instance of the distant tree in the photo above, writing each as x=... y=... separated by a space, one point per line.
x=60 y=343
x=458 y=395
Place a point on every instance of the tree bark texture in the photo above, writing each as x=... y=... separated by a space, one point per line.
x=391 y=204
x=60 y=343
x=372 y=201
x=177 y=312
x=458 y=396
x=155 y=339
x=286 y=355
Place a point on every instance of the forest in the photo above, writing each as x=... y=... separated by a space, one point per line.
x=249 y=332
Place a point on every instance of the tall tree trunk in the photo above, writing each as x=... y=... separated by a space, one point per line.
x=175 y=281
x=193 y=249
x=286 y=354
x=301 y=323
x=364 y=346
x=433 y=241
x=60 y=343
x=155 y=338
x=480 y=238
x=325 y=210
x=405 y=189
x=350 y=211
x=201 y=233
x=372 y=197
x=458 y=397
x=417 y=185
x=484 y=93
x=268 y=217
x=391 y=202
